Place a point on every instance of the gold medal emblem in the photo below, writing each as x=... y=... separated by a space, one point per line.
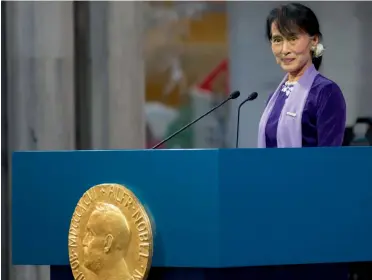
x=110 y=236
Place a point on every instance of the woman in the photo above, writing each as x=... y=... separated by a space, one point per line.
x=307 y=109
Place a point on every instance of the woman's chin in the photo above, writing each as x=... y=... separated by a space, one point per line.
x=289 y=67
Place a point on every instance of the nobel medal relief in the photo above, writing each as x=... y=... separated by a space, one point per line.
x=110 y=236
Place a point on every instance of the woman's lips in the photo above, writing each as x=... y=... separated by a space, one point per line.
x=287 y=60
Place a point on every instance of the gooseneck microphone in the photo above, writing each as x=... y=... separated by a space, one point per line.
x=250 y=97
x=233 y=95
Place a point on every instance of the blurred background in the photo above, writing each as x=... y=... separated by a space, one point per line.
x=124 y=75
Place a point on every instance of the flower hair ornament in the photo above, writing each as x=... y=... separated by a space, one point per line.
x=318 y=50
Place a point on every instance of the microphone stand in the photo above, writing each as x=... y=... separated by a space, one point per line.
x=191 y=123
x=251 y=97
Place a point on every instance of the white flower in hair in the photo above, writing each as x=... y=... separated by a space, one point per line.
x=319 y=50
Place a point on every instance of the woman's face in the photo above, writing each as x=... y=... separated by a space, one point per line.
x=294 y=52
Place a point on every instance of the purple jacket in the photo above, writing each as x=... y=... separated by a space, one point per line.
x=323 y=115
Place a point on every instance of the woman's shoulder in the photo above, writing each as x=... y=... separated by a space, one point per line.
x=323 y=84
x=324 y=90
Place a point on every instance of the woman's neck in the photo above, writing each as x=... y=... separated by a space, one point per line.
x=295 y=76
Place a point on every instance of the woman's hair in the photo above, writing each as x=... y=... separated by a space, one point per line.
x=292 y=18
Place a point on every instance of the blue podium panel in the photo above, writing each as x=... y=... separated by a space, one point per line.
x=212 y=208
x=295 y=206
x=179 y=189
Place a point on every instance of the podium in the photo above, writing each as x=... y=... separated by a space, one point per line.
x=212 y=209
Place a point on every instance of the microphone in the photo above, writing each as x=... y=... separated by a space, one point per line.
x=233 y=95
x=250 y=97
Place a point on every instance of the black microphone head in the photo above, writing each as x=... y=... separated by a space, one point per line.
x=252 y=96
x=235 y=94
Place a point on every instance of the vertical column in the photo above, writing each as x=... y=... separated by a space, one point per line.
x=5 y=174
x=40 y=85
x=118 y=81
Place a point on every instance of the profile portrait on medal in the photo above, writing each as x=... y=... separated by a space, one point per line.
x=106 y=243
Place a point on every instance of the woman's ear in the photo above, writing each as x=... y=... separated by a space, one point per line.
x=314 y=41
